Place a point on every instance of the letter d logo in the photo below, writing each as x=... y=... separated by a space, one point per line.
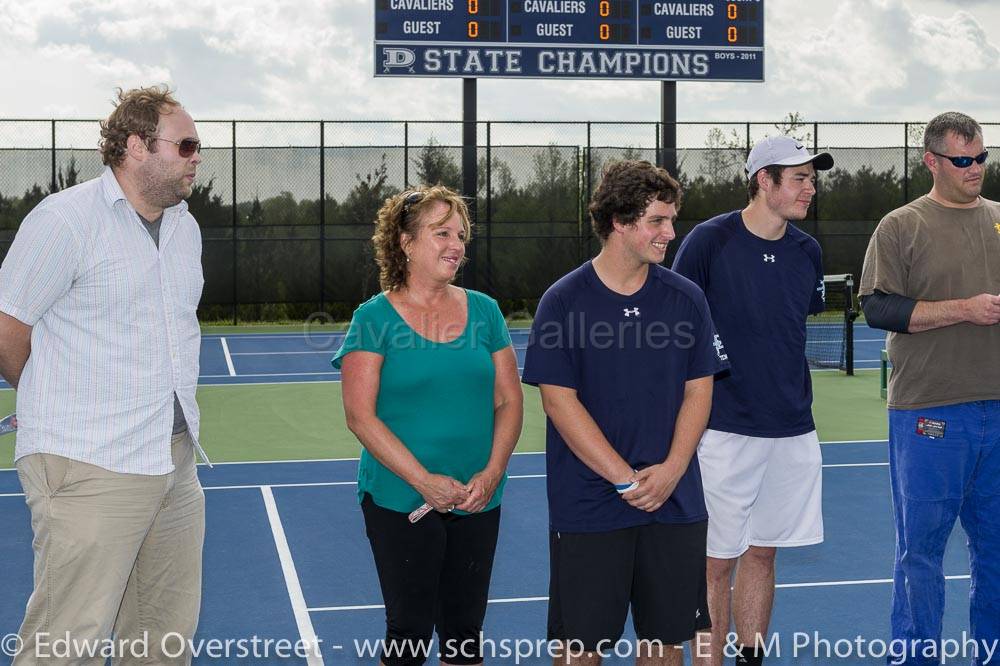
x=393 y=58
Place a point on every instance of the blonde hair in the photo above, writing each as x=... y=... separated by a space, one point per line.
x=396 y=217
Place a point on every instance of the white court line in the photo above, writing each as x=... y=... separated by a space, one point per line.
x=853 y=441
x=331 y=484
x=872 y=581
x=302 y=619
x=274 y=336
x=262 y=486
x=318 y=484
x=321 y=484
x=273 y=374
x=516 y=453
x=516 y=600
x=229 y=358
x=513 y=600
x=304 y=381
x=327 y=484
x=283 y=353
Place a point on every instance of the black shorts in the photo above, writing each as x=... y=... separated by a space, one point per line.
x=657 y=569
x=433 y=574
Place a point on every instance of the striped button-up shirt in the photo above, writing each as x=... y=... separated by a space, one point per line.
x=115 y=329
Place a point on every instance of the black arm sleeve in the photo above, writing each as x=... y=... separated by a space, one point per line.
x=890 y=312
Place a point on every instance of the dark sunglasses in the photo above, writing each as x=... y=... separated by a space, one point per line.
x=185 y=147
x=409 y=200
x=964 y=161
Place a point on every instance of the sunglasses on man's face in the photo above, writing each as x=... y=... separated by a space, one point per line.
x=185 y=147
x=964 y=161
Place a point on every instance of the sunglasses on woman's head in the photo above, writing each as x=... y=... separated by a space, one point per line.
x=409 y=200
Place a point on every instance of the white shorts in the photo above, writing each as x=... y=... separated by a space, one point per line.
x=760 y=491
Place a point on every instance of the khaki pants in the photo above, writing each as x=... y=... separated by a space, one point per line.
x=114 y=553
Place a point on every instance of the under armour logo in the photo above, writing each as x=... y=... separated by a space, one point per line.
x=719 y=349
x=630 y=312
x=768 y=258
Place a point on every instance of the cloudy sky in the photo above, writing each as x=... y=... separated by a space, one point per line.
x=312 y=59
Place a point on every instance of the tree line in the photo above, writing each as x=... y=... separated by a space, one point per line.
x=532 y=222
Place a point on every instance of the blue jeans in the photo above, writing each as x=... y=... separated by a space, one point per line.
x=944 y=463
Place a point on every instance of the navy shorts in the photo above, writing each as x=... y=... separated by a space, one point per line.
x=658 y=570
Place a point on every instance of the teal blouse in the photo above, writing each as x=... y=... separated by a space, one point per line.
x=436 y=397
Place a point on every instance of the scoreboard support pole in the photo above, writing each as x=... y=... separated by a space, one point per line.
x=470 y=175
x=668 y=125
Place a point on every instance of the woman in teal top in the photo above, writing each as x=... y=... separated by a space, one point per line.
x=431 y=390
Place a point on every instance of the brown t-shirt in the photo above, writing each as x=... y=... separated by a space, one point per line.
x=931 y=252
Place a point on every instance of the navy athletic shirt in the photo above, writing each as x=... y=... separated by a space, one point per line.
x=628 y=358
x=760 y=292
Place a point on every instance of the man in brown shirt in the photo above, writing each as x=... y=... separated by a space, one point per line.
x=932 y=278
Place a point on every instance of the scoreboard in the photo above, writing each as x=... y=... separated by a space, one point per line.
x=572 y=39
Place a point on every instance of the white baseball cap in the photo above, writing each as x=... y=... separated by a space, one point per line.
x=784 y=151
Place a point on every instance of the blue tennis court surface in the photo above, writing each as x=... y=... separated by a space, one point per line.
x=305 y=357
x=302 y=357
x=286 y=558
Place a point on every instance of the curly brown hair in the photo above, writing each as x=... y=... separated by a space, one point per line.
x=626 y=190
x=137 y=111
x=397 y=217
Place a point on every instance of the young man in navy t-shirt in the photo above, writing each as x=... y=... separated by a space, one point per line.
x=624 y=352
x=760 y=456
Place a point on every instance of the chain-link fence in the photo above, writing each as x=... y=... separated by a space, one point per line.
x=286 y=208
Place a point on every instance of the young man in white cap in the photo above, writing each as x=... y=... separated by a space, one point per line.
x=760 y=456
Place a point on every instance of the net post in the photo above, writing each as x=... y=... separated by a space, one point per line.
x=849 y=316
x=884 y=374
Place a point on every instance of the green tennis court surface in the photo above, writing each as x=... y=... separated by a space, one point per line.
x=291 y=421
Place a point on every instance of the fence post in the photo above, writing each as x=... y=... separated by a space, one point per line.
x=584 y=243
x=659 y=148
x=406 y=155
x=52 y=188
x=322 y=216
x=816 y=197
x=489 y=208
x=235 y=220
x=906 y=163
x=470 y=166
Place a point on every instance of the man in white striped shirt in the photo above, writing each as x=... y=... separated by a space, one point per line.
x=99 y=335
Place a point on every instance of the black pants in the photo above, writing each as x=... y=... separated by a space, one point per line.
x=433 y=574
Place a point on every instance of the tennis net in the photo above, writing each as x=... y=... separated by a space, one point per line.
x=830 y=334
